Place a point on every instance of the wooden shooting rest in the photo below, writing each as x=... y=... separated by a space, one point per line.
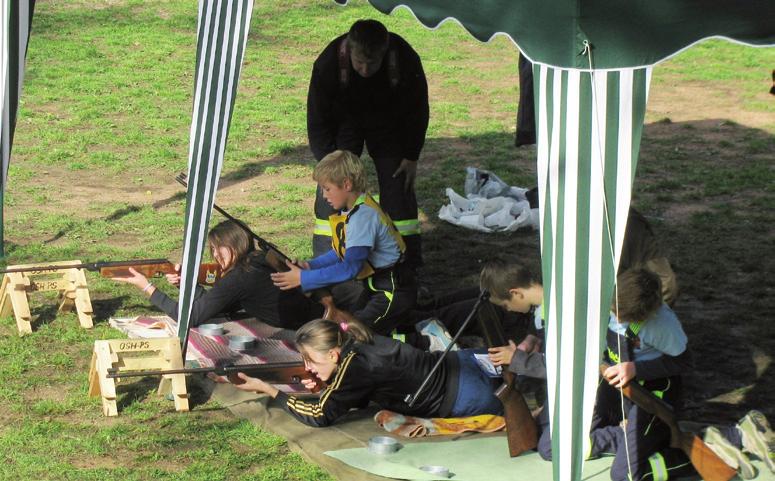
x=70 y=283
x=136 y=355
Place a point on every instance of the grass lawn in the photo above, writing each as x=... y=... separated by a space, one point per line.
x=103 y=129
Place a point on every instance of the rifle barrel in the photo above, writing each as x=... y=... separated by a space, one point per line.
x=114 y=373
x=90 y=266
x=410 y=399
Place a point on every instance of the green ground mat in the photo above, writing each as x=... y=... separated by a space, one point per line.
x=480 y=459
x=341 y=449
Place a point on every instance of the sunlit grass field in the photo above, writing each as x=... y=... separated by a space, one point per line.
x=103 y=129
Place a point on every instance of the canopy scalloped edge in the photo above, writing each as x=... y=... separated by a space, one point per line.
x=437 y=25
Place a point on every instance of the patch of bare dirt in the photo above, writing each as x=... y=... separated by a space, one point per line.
x=689 y=101
x=45 y=392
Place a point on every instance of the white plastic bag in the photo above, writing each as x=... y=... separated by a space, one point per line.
x=490 y=205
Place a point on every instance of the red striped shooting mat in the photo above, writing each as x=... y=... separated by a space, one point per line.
x=272 y=345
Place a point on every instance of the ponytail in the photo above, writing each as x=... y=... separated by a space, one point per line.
x=323 y=335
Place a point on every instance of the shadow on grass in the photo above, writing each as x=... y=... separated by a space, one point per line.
x=112 y=217
x=199 y=392
x=107 y=307
x=707 y=188
x=103 y=309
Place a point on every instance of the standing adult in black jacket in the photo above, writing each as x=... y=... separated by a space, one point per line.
x=245 y=285
x=360 y=368
x=368 y=87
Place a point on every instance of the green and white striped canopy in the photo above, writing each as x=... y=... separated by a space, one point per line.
x=222 y=32
x=15 y=23
x=633 y=33
x=592 y=65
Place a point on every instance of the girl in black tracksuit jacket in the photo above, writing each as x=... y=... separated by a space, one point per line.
x=359 y=368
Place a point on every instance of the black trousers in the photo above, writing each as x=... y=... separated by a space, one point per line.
x=386 y=299
x=526 y=115
x=647 y=447
x=453 y=308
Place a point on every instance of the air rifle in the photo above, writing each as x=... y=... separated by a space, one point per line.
x=273 y=373
x=410 y=399
x=521 y=428
x=277 y=261
x=208 y=273
x=709 y=466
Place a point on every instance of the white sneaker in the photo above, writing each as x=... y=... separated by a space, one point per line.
x=437 y=334
x=758 y=437
x=729 y=453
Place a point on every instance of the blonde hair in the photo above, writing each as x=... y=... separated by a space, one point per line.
x=232 y=236
x=322 y=335
x=341 y=165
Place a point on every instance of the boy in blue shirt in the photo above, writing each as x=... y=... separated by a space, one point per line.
x=646 y=344
x=365 y=245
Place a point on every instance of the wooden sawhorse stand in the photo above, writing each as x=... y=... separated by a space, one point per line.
x=136 y=355
x=71 y=284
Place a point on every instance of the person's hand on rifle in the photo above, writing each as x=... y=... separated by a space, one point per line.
x=530 y=344
x=289 y=279
x=138 y=280
x=620 y=374
x=174 y=277
x=311 y=383
x=243 y=382
x=501 y=355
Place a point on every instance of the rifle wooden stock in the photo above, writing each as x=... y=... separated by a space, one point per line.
x=276 y=259
x=521 y=428
x=277 y=373
x=207 y=275
x=705 y=461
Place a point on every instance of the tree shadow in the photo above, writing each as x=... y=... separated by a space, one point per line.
x=101 y=309
x=118 y=214
x=706 y=186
